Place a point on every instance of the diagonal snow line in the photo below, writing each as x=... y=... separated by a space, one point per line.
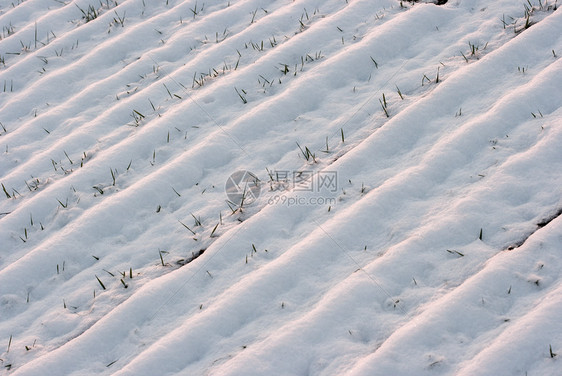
x=368 y=99
x=346 y=252
x=202 y=109
x=235 y=231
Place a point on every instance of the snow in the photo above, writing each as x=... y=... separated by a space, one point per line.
x=425 y=242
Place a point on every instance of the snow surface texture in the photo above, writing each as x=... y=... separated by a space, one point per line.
x=438 y=253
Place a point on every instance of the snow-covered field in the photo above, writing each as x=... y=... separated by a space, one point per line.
x=409 y=162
